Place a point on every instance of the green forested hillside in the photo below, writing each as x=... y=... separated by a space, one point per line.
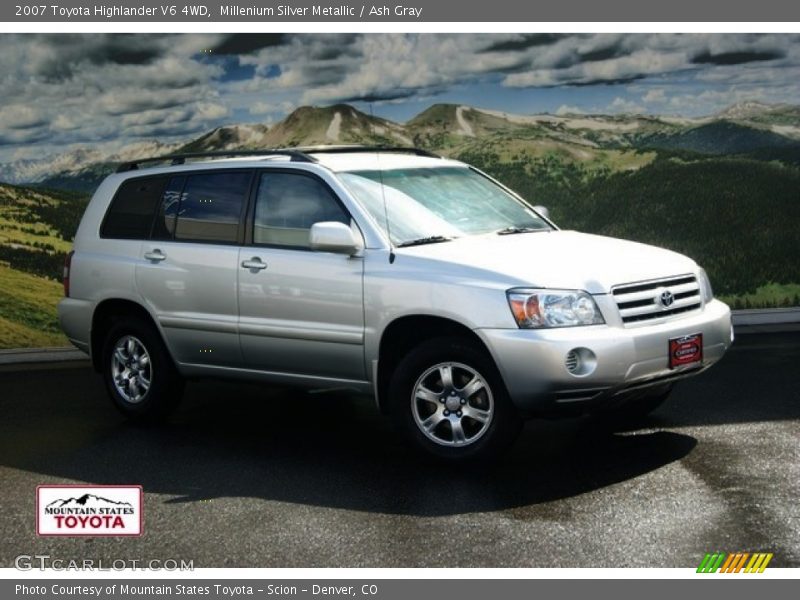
x=738 y=217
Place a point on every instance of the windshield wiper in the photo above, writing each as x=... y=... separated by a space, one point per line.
x=431 y=239
x=514 y=229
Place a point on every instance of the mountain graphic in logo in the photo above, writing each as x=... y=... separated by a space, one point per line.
x=86 y=501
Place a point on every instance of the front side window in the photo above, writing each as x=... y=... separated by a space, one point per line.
x=210 y=207
x=440 y=202
x=288 y=204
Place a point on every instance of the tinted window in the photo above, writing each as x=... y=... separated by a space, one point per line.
x=131 y=212
x=288 y=205
x=211 y=205
x=164 y=224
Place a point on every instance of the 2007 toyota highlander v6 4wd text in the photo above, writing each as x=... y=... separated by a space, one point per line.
x=390 y=271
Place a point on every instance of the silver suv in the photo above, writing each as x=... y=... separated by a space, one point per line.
x=388 y=271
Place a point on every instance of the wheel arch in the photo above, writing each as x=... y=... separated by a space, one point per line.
x=406 y=332
x=105 y=314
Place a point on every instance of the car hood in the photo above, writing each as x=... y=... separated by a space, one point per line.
x=555 y=259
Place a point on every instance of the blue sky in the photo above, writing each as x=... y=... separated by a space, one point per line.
x=64 y=92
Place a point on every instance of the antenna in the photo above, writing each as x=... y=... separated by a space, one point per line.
x=383 y=195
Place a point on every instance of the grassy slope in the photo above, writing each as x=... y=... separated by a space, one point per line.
x=737 y=217
x=33 y=227
x=28 y=310
x=772 y=295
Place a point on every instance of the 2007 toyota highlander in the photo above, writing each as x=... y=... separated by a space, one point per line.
x=390 y=271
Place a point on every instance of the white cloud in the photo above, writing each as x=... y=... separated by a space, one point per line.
x=261 y=107
x=64 y=123
x=654 y=96
x=565 y=109
x=210 y=111
x=621 y=105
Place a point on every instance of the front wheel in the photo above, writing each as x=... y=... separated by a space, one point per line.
x=448 y=400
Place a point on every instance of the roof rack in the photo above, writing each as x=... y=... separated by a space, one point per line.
x=179 y=159
x=299 y=154
x=343 y=149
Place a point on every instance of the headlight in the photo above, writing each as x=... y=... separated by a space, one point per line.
x=533 y=309
x=705 y=285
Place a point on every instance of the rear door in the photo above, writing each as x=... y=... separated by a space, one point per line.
x=301 y=312
x=188 y=269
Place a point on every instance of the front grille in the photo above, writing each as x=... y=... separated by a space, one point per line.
x=642 y=301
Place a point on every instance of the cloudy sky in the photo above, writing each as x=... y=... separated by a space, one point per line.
x=59 y=91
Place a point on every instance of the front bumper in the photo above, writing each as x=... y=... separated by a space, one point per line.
x=533 y=362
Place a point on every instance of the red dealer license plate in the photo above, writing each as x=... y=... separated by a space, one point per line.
x=685 y=350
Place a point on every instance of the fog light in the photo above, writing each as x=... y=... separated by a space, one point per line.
x=572 y=362
x=580 y=362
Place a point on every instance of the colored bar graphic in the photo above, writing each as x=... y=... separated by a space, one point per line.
x=727 y=566
x=741 y=562
x=732 y=562
x=766 y=562
x=703 y=563
x=735 y=562
x=719 y=561
x=749 y=566
x=758 y=563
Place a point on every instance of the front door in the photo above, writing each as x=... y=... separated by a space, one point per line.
x=301 y=312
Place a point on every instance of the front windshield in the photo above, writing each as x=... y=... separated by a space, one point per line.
x=441 y=202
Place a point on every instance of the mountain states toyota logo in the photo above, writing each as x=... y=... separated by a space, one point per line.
x=77 y=510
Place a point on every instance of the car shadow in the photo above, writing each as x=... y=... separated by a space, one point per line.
x=242 y=440
x=756 y=381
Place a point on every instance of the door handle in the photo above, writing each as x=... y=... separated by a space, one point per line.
x=254 y=264
x=156 y=255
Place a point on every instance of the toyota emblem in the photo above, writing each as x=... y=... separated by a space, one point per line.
x=666 y=298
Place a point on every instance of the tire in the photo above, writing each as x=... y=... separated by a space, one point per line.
x=471 y=418
x=139 y=374
x=631 y=409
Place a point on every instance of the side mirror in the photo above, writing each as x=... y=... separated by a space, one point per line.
x=542 y=210
x=332 y=236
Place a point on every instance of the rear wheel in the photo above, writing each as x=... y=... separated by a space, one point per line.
x=448 y=400
x=139 y=374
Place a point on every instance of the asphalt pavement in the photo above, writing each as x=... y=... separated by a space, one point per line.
x=244 y=475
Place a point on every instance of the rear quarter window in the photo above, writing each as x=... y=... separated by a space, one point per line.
x=130 y=215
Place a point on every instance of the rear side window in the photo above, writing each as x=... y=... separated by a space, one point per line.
x=130 y=215
x=210 y=207
x=288 y=205
x=164 y=224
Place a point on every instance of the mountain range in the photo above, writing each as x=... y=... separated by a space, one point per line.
x=85 y=501
x=618 y=142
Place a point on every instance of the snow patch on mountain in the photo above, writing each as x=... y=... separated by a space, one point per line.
x=466 y=128
x=746 y=110
x=334 y=128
